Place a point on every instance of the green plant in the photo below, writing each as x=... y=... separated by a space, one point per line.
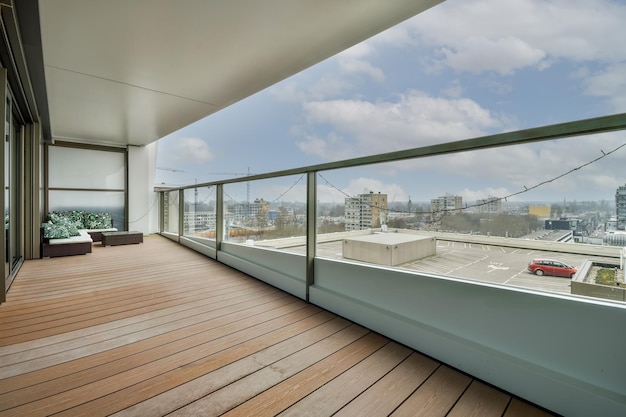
x=606 y=276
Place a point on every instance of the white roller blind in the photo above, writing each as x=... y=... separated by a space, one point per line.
x=85 y=168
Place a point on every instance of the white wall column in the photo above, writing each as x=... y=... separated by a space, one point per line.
x=143 y=202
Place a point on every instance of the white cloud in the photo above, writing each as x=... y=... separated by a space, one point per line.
x=363 y=185
x=507 y=35
x=503 y=55
x=191 y=151
x=327 y=193
x=359 y=66
x=288 y=91
x=327 y=86
x=454 y=90
x=555 y=168
x=332 y=147
x=415 y=119
x=611 y=83
x=358 y=51
x=354 y=61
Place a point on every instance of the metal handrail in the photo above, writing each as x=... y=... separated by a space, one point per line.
x=595 y=125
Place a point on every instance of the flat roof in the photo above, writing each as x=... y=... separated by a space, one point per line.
x=389 y=238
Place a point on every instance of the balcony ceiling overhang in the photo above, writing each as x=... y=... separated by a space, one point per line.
x=130 y=72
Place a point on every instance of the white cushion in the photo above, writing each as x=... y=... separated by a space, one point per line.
x=83 y=237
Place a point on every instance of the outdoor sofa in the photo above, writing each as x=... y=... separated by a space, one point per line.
x=73 y=232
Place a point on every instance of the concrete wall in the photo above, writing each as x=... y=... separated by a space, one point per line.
x=143 y=207
x=556 y=351
x=389 y=249
x=570 y=247
x=599 y=291
x=582 y=285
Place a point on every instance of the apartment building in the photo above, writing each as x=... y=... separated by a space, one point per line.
x=491 y=205
x=447 y=204
x=365 y=211
x=620 y=207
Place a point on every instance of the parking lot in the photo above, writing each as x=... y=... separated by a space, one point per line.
x=485 y=263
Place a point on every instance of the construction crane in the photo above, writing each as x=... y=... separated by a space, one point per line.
x=235 y=174
x=170 y=169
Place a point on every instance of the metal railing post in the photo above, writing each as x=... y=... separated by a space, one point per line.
x=219 y=218
x=311 y=229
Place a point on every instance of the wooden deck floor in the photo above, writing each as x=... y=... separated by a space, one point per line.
x=156 y=329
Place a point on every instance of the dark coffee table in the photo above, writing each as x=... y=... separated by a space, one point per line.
x=121 y=238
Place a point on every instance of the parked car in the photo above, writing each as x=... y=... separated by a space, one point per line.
x=551 y=267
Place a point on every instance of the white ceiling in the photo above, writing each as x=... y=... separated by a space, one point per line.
x=132 y=71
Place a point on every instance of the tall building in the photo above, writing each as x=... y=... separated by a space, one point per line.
x=244 y=211
x=447 y=204
x=489 y=205
x=365 y=211
x=620 y=207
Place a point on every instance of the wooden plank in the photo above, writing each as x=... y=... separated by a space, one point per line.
x=152 y=363
x=334 y=395
x=94 y=353
x=61 y=344
x=480 y=400
x=104 y=299
x=129 y=357
x=394 y=388
x=94 y=316
x=278 y=387
x=436 y=396
x=176 y=389
x=292 y=377
x=519 y=408
x=229 y=366
x=6 y=339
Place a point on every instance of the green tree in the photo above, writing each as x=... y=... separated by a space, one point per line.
x=283 y=220
x=397 y=223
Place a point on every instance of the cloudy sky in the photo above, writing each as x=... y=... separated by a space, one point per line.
x=463 y=69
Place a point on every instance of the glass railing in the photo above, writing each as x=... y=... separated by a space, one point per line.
x=480 y=209
x=270 y=212
x=170 y=209
x=199 y=215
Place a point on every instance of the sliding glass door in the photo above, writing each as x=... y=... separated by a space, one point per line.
x=12 y=192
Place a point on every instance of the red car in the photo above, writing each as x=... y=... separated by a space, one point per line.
x=551 y=267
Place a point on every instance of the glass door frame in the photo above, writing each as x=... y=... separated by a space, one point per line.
x=11 y=157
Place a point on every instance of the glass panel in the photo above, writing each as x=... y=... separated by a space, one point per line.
x=170 y=213
x=15 y=196
x=199 y=218
x=92 y=201
x=101 y=169
x=483 y=215
x=7 y=185
x=275 y=217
